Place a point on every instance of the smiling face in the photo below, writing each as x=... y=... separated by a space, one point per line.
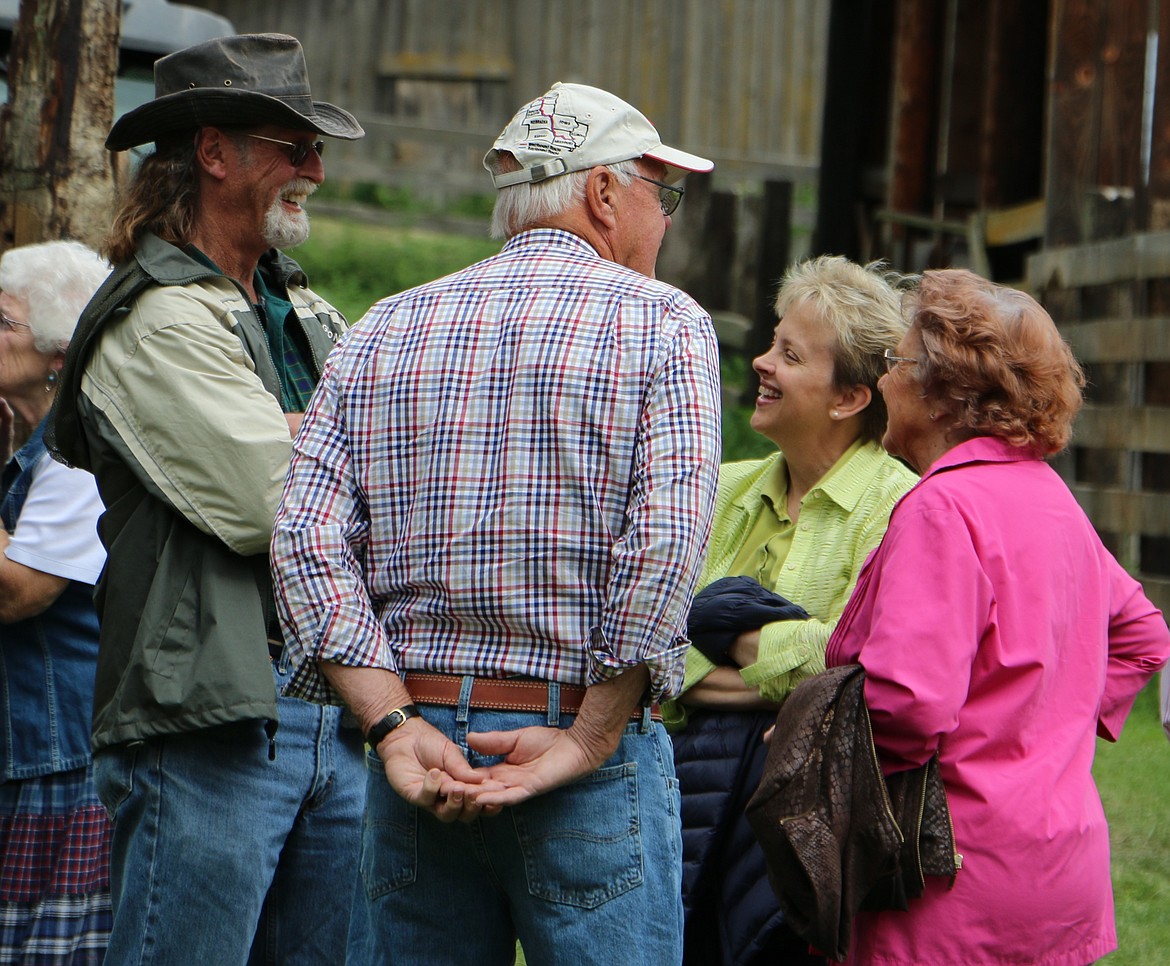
x=273 y=191
x=797 y=392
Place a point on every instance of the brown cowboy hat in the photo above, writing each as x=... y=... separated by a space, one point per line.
x=242 y=80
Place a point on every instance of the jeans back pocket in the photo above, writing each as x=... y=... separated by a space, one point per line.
x=582 y=843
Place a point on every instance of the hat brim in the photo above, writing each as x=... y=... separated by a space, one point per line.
x=202 y=107
x=679 y=163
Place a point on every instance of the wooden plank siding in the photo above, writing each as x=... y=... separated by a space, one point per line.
x=1104 y=273
x=964 y=137
x=1119 y=463
x=433 y=81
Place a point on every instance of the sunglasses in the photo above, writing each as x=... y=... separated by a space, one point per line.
x=669 y=195
x=296 y=152
x=10 y=325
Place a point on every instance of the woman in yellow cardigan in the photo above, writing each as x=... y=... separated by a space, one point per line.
x=800 y=524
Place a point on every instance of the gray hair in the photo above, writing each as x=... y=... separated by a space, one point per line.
x=57 y=279
x=521 y=206
x=863 y=307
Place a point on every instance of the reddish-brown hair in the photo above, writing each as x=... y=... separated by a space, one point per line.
x=996 y=359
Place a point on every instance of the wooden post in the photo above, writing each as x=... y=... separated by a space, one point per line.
x=56 y=177
x=847 y=69
x=774 y=253
x=914 y=111
x=1073 y=117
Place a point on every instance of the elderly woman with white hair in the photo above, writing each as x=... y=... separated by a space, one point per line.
x=54 y=834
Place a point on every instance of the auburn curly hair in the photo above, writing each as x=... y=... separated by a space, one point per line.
x=996 y=358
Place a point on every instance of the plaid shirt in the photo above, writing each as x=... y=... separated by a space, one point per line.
x=509 y=471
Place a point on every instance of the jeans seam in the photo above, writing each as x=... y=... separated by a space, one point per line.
x=155 y=812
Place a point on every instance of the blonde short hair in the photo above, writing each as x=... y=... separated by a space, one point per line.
x=862 y=305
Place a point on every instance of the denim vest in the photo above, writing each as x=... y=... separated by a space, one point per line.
x=47 y=662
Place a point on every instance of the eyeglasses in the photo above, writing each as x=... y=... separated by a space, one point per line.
x=669 y=195
x=893 y=360
x=298 y=151
x=9 y=324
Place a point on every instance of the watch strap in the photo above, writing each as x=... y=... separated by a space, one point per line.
x=395 y=719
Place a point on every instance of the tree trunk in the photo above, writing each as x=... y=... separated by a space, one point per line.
x=56 y=177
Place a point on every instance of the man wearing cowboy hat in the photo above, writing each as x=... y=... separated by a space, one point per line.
x=493 y=522
x=236 y=813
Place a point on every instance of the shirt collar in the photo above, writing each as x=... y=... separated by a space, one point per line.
x=983 y=449
x=845 y=483
x=851 y=475
x=546 y=238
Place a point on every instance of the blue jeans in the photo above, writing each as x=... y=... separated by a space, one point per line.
x=588 y=873
x=209 y=834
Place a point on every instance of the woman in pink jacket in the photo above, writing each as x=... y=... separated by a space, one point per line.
x=996 y=630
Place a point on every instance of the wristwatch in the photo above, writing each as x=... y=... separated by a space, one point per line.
x=395 y=719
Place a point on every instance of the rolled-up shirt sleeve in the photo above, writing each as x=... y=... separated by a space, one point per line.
x=657 y=559
x=319 y=544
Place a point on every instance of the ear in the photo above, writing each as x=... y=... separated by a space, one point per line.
x=601 y=196
x=851 y=401
x=213 y=153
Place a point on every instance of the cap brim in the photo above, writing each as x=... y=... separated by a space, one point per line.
x=201 y=107
x=679 y=163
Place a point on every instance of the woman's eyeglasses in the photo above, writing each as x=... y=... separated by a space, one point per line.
x=296 y=152
x=669 y=195
x=10 y=324
x=893 y=360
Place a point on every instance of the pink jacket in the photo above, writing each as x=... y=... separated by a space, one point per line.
x=995 y=628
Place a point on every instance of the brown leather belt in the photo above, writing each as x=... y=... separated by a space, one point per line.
x=500 y=694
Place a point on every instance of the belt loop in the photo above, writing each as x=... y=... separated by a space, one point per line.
x=554 y=704
x=462 y=712
x=647 y=721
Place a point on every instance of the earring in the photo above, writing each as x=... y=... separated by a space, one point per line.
x=51 y=381
x=836 y=414
x=933 y=415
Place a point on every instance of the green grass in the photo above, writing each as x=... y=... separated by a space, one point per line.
x=353 y=265
x=1133 y=776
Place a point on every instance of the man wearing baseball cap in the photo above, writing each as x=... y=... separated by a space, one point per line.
x=487 y=545
x=236 y=812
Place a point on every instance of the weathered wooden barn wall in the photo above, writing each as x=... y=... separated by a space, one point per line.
x=1104 y=273
x=433 y=81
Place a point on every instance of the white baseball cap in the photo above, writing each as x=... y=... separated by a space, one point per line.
x=575 y=127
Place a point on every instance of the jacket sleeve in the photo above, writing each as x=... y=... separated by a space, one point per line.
x=1139 y=642
x=185 y=408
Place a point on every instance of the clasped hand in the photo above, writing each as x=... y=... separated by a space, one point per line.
x=430 y=771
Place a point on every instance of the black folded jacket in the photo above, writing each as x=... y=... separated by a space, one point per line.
x=723 y=610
